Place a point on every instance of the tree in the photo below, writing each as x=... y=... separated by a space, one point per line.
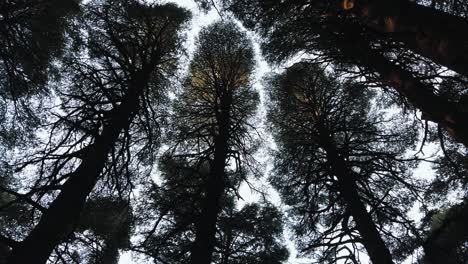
x=211 y=120
x=32 y=34
x=110 y=220
x=446 y=236
x=248 y=235
x=132 y=50
x=336 y=161
x=425 y=30
x=290 y=28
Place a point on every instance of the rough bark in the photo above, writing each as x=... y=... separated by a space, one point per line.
x=431 y=33
x=63 y=213
x=371 y=239
x=205 y=234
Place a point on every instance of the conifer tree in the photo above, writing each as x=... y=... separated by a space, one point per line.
x=130 y=51
x=211 y=120
x=248 y=235
x=327 y=33
x=340 y=167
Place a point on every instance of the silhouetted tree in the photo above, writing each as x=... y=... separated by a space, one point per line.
x=211 y=120
x=31 y=35
x=32 y=40
x=446 y=235
x=248 y=235
x=425 y=30
x=318 y=29
x=130 y=51
x=340 y=167
x=445 y=230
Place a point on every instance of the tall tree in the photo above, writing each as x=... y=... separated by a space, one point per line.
x=424 y=29
x=211 y=119
x=131 y=49
x=290 y=28
x=336 y=162
x=32 y=38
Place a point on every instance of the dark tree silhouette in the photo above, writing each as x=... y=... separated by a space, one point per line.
x=249 y=235
x=211 y=119
x=85 y=105
x=432 y=33
x=109 y=220
x=446 y=236
x=31 y=35
x=132 y=48
x=337 y=162
x=291 y=27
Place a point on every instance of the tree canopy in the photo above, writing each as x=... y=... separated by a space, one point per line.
x=119 y=136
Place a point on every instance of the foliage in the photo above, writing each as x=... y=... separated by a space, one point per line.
x=105 y=147
x=305 y=101
x=248 y=235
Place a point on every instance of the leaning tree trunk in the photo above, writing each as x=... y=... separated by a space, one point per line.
x=205 y=234
x=431 y=33
x=435 y=108
x=371 y=239
x=63 y=213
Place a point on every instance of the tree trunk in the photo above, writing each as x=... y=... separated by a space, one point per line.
x=205 y=234
x=433 y=107
x=431 y=33
x=371 y=239
x=63 y=213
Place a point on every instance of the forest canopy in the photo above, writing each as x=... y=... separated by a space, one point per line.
x=121 y=136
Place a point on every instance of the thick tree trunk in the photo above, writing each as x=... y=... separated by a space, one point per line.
x=58 y=220
x=205 y=234
x=371 y=239
x=436 y=35
x=433 y=107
